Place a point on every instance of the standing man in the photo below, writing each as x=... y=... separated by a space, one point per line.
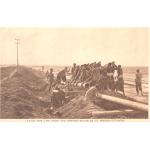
x=120 y=81
x=73 y=68
x=51 y=79
x=110 y=73
x=42 y=68
x=138 y=82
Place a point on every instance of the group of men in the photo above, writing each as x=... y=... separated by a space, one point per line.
x=61 y=77
x=107 y=77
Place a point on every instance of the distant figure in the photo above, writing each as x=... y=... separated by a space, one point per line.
x=51 y=79
x=47 y=74
x=138 y=82
x=73 y=68
x=42 y=68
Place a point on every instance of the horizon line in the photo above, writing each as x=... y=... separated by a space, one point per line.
x=33 y=65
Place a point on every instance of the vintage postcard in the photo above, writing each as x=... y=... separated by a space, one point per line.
x=76 y=74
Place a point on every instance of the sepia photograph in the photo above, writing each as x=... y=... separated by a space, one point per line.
x=74 y=73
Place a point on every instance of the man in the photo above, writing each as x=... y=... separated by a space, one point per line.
x=119 y=70
x=103 y=80
x=96 y=74
x=120 y=82
x=82 y=76
x=110 y=72
x=51 y=79
x=57 y=97
x=114 y=66
x=115 y=80
x=138 y=82
x=42 y=68
x=78 y=74
x=47 y=74
x=61 y=76
x=75 y=72
x=73 y=68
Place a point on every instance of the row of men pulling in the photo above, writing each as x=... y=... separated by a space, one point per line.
x=107 y=77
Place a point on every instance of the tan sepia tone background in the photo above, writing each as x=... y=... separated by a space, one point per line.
x=64 y=46
x=60 y=47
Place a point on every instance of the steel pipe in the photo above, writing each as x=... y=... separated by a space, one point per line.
x=125 y=102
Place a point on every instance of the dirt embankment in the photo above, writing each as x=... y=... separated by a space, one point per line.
x=78 y=108
x=23 y=94
x=6 y=71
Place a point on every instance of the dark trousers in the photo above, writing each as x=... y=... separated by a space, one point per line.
x=50 y=86
x=110 y=83
x=120 y=86
x=138 y=87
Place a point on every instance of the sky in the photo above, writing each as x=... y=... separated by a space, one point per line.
x=64 y=46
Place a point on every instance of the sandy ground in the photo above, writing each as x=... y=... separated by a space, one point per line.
x=22 y=95
x=25 y=95
x=131 y=92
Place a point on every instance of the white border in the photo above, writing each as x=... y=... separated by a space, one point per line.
x=78 y=13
